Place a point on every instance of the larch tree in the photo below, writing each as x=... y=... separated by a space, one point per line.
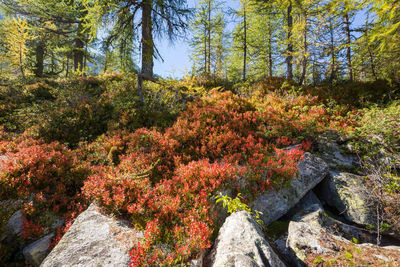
x=151 y=17
x=209 y=39
x=16 y=35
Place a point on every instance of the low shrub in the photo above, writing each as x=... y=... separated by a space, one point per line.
x=48 y=176
x=377 y=141
x=164 y=182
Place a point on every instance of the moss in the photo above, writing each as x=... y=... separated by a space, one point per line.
x=276 y=229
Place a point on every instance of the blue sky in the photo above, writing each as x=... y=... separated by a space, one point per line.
x=177 y=55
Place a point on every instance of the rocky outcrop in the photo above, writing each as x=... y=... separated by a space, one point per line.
x=37 y=251
x=351 y=196
x=94 y=239
x=275 y=204
x=335 y=155
x=241 y=243
x=314 y=235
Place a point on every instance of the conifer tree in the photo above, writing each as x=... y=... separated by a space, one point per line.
x=16 y=35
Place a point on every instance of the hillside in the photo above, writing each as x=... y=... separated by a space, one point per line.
x=160 y=165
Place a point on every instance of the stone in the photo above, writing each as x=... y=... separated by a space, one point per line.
x=198 y=262
x=94 y=239
x=313 y=233
x=351 y=196
x=15 y=224
x=283 y=249
x=274 y=204
x=308 y=200
x=241 y=243
x=38 y=250
x=333 y=154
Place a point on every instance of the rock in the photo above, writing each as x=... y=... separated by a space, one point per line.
x=37 y=251
x=198 y=262
x=94 y=239
x=351 y=196
x=275 y=204
x=15 y=224
x=307 y=201
x=332 y=153
x=313 y=234
x=241 y=242
x=282 y=247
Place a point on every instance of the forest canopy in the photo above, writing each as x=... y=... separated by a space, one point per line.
x=311 y=42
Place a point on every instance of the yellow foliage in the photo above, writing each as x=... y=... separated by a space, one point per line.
x=16 y=34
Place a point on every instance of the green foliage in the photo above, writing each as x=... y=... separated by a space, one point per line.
x=355 y=94
x=236 y=204
x=209 y=43
x=377 y=141
x=80 y=109
x=380 y=126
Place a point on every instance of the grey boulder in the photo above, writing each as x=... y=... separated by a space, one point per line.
x=313 y=233
x=15 y=225
x=274 y=204
x=37 y=251
x=241 y=243
x=94 y=239
x=351 y=196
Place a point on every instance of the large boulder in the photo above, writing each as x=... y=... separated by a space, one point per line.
x=94 y=239
x=313 y=236
x=274 y=204
x=305 y=203
x=241 y=243
x=37 y=251
x=351 y=196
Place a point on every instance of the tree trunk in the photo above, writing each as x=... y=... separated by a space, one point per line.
x=78 y=54
x=39 y=65
x=244 y=42
x=147 y=46
x=371 y=58
x=67 y=70
x=348 y=45
x=205 y=50
x=21 y=63
x=289 y=58
x=209 y=38
x=269 y=48
x=305 y=51
x=333 y=59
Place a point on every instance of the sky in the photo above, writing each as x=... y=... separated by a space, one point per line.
x=177 y=55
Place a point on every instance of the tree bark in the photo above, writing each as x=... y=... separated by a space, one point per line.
x=244 y=42
x=289 y=58
x=209 y=38
x=333 y=59
x=305 y=51
x=78 y=54
x=348 y=45
x=269 y=48
x=147 y=46
x=39 y=53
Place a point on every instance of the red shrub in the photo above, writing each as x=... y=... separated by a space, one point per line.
x=48 y=175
